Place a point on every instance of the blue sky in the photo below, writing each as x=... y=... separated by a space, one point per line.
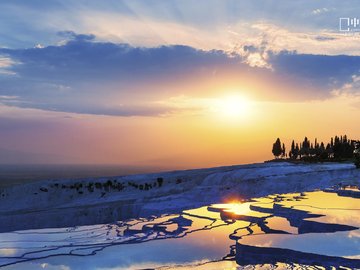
x=27 y=23
x=124 y=59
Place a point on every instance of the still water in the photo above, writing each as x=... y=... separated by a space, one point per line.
x=318 y=230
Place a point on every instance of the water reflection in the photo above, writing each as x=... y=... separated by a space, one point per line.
x=291 y=230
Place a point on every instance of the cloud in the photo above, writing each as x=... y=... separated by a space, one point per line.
x=71 y=35
x=277 y=38
x=4 y=99
x=80 y=58
x=218 y=26
x=5 y=62
x=321 y=70
x=5 y=65
x=255 y=56
x=349 y=91
x=141 y=30
x=86 y=76
x=320 y=10
x=8 y=97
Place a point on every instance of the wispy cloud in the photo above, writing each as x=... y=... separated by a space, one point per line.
x=5 y=65
x=349 y=89
x=320 y=10
x=311 y=27
x=271 y=37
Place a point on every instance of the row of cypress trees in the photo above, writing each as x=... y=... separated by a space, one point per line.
x=339 y=147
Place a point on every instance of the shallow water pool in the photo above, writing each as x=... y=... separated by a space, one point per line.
x=287 y=231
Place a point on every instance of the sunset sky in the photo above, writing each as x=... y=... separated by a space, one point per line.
x=178 y=84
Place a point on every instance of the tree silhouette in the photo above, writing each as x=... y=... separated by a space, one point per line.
x=292 y=150
x=338 y=149
x=283 y=150
x=277 y=150
x=305 y=147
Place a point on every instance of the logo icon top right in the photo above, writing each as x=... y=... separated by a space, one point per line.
x=349 y=24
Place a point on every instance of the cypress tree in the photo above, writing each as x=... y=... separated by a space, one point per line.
x=292 y=151
x=283 y=150
x=277 y=150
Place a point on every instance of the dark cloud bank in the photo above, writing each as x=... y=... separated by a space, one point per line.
x=79 y=75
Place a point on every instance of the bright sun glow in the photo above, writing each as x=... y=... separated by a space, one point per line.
x=234 y=106
x=236 y=208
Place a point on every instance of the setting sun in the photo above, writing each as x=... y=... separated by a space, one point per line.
x=234 y=106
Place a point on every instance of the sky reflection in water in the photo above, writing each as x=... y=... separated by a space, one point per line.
x=221 y=236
